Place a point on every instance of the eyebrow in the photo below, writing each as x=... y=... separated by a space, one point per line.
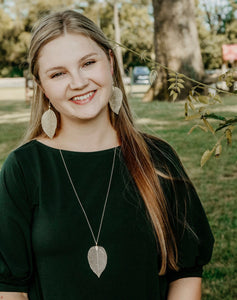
x=80 y=60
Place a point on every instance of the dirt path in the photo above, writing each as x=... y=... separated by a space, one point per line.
x=15 y=94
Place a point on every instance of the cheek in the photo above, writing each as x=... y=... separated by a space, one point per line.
x=57 y=104
x=107 y=80
x=53 y=91
x=104 y=74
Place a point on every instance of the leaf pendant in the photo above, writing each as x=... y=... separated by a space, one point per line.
x=97 y=259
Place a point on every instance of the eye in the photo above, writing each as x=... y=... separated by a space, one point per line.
x=58 y=74
x=88 y=63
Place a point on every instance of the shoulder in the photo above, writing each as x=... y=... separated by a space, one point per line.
x=158 y=146
x=17 y=179
x=21 y=170
x=23 y=149
x=164 y=156
x=17 y=156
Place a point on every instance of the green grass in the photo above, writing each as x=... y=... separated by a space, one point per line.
x=13 y=122
x=216 y=182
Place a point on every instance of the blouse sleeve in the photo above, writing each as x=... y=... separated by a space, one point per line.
x=194 y=237
x=15 y=229
x=188 y=219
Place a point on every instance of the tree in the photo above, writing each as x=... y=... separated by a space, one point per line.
x=217 y=25
x=117 y=36
x=15 y=33
x=135 y=26
x=176 y=45
x=131 y=22
x=137 y=33
x=13 y=45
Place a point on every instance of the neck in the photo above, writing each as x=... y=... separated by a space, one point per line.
x=86 y=136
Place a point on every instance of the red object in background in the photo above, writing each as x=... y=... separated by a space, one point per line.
x=229 y=52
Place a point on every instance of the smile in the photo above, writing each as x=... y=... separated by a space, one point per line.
x=84 y=98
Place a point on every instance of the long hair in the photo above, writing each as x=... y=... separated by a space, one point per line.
x=133 y=143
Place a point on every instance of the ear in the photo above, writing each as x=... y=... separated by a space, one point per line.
x=39 y=86
x=111 y=60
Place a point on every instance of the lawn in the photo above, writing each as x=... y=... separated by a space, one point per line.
x=14 y=117
x=216 y=182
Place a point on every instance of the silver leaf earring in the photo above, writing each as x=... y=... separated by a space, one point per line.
x=116 y=99
x=49 y=122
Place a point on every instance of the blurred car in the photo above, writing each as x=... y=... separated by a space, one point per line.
x=141 y=75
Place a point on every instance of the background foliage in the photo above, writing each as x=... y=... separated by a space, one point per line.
x=18 y=20
x=217 y=25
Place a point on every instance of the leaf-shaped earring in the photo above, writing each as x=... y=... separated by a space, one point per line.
x=49 y=122
x=116 y=99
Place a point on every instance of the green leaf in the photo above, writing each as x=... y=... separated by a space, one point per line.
x=208 y=125
x=218 y=150
x=205 y=157
x=217 y=98
x=203 y=99
x=172 y=92
x=180 y=85
x=172 y=86
x=186 y=109
x=228 y=134
x=175 y=95
x=191 y=98
x=197 y=126
x=214 y=116
x=152 y=77
x=172 y=74
x=143 y=55
x=191 y=105
x=193 y=117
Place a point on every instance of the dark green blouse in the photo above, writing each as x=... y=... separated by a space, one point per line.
x=44 y=237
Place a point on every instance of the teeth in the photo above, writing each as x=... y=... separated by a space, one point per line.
x=82 y=97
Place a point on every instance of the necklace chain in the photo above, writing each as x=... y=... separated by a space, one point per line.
x=76 y=194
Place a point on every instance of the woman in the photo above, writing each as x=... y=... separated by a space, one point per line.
x=91 y=207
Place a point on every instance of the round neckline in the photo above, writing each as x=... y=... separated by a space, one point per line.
x=77 y=152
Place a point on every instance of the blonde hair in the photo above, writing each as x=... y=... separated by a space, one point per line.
x=133 y=144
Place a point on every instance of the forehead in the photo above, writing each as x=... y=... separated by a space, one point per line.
x=68 y=45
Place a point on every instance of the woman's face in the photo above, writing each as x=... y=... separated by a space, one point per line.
x=76 y=76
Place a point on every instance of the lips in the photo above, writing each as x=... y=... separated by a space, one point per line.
x=83 y=98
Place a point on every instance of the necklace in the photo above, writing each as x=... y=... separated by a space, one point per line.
x=97 y=256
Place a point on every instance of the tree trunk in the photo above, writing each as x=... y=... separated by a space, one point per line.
x=176 y=45
x=118 y=37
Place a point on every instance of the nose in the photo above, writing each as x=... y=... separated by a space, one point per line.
x=78 y=80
